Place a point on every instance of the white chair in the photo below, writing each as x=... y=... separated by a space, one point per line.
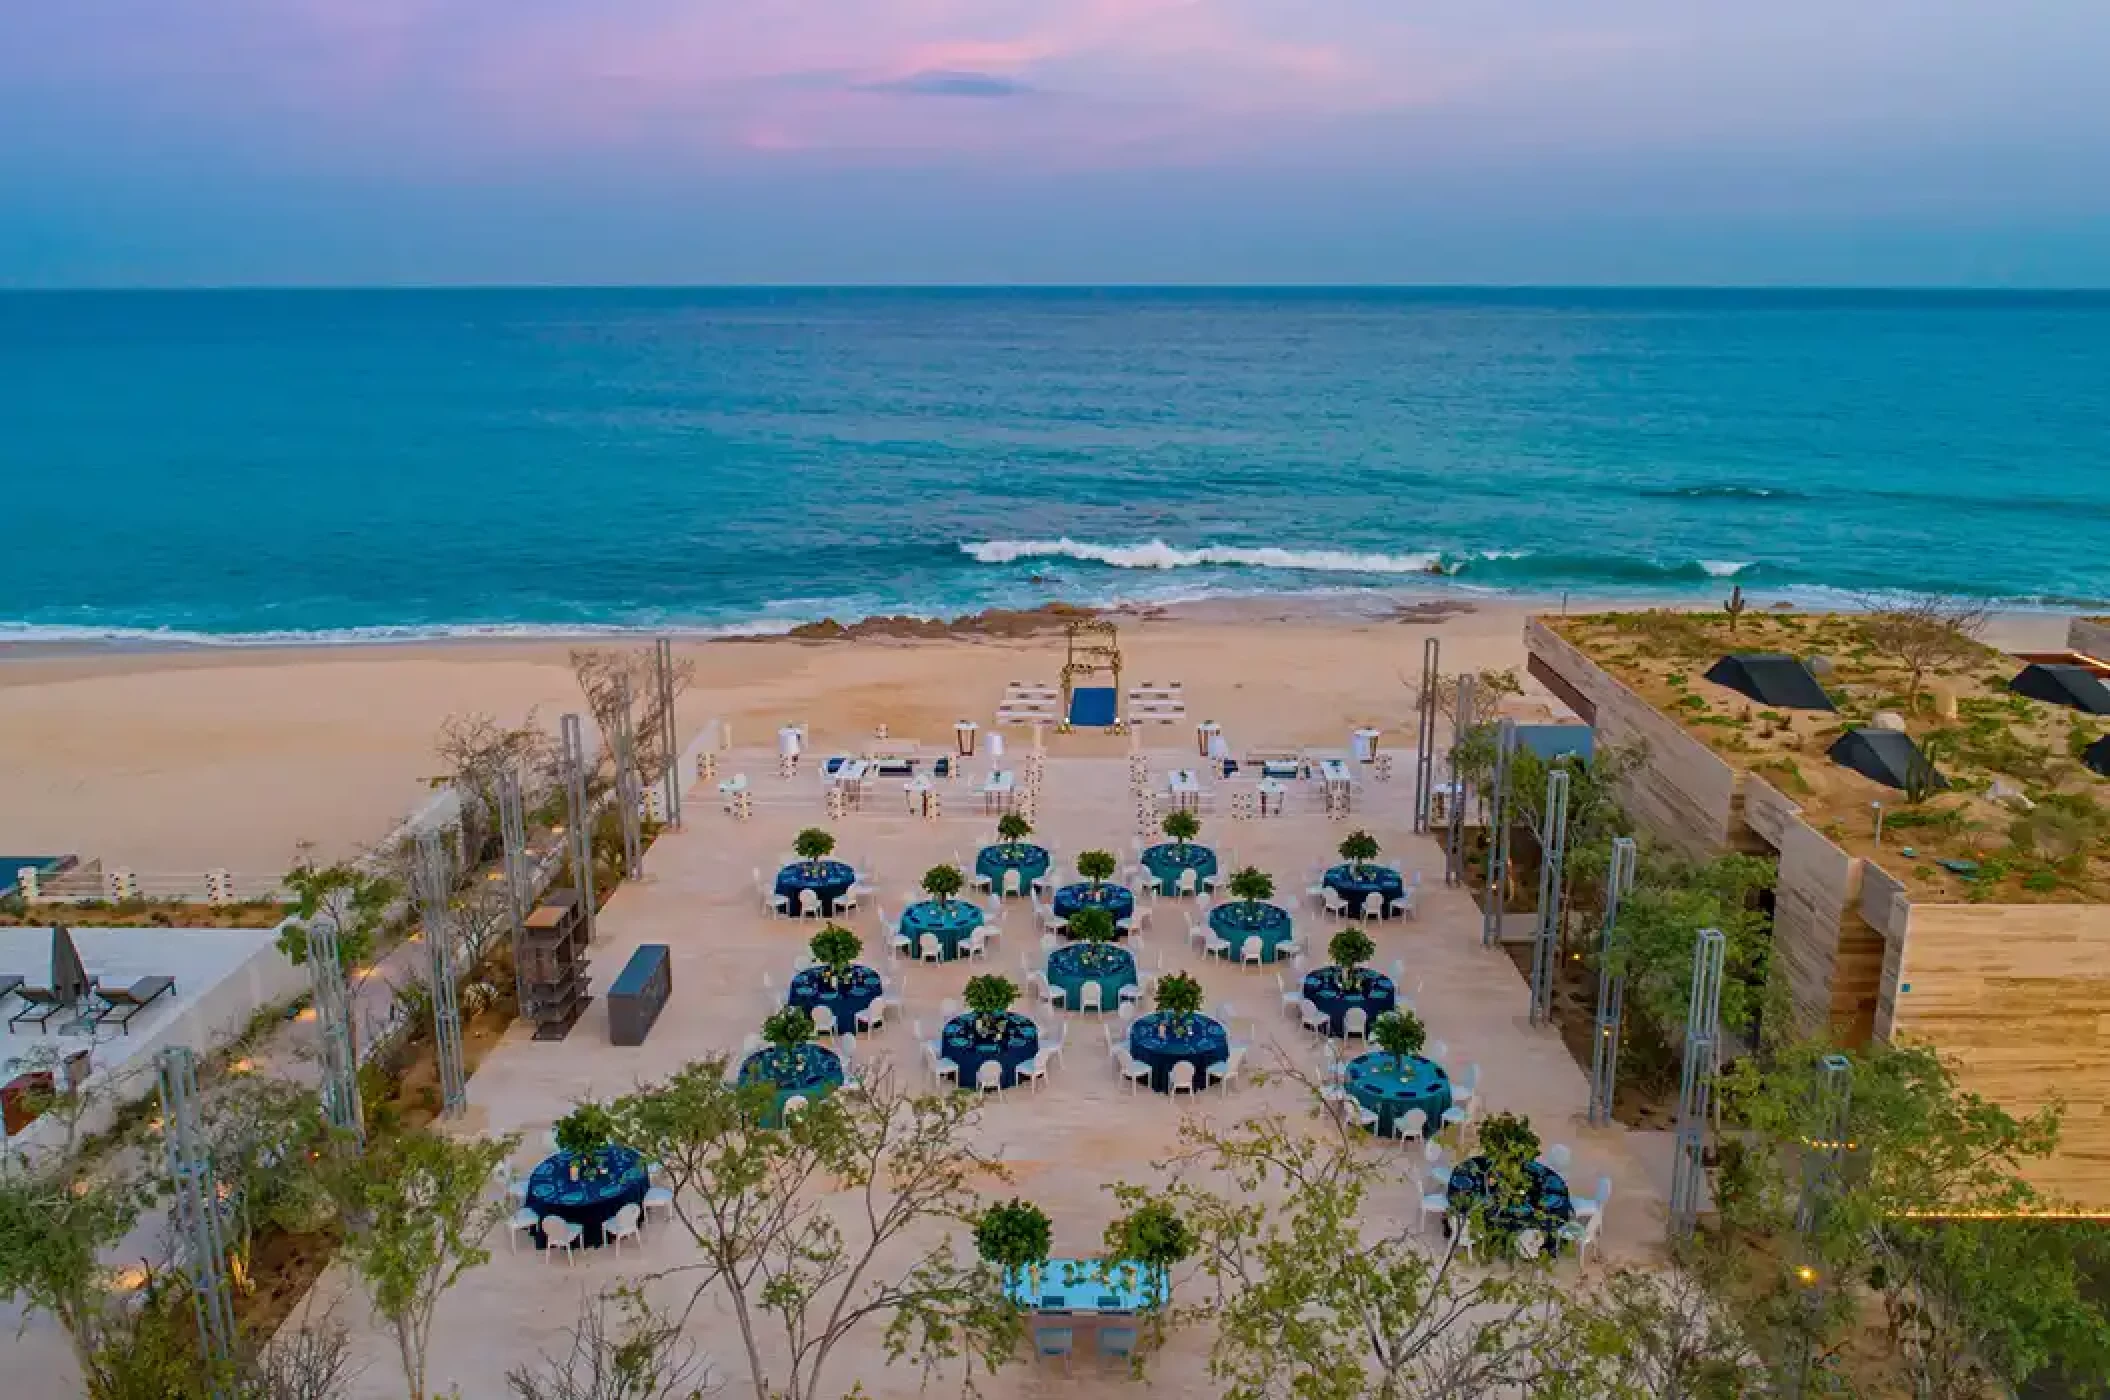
x=1252 y=952
x=1398 y=973
x=1435 y=1196
x=1587 y=1206
x=1133 y=992
x=626 y=1225
x=1216 y=947
x=1411 y=1126
x=661 y=1199
x=1355 y=1023
x=1313 y=1019
x=1035 y=1070
x=809 y=904
x=1132 y=1069
x=1334 y=905
x=823 y=1021
x=933 y=950
x=1459 y=1116
x=873 y=1017
x=977 y=944
x=941 y=1069
x=559 y=1234
x=515 y=1187
x=1190 y=883
x=1089 y=997
x=1437 y=1050
x=1402 y=904
x=1558 y=1156
x=1466 y=1087
x=523 y=1221
x=774 y=905
x=1014 y=883
x=990 y=1077
x=1051 y=1050
x=1049 y=993
x=1374 y=907
x=982 y=883
x=1198 y=932
x=1226 y=1070
x=1528 y=1243
x=1464 y=1239
x=795 y=1105
x=846 y=902
x=1582 y=1236
x=1182 y=1078
x=1292 y=997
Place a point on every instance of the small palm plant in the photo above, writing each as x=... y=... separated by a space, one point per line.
x=989 y=997
x=942 y=882
x=1094 y=927
x=1012 y=828
x=836 y=949
x=1350 y=949
x=813 y=846
x=1180 y=998
x=1399 y=1034
x=1096 y=866
x=1182 y=826
x=1359 y=848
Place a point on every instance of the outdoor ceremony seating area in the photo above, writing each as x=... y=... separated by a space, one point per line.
x=956 y=957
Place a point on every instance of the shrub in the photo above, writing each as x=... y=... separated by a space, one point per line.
x=1399 y=1034
x=1350 y=949
x=1182 y=826
x=813 y=844
x=1014 y=1236
x=1153 y=1235
x=1252 y=885
x=1179 y=996
x=1095 y=866
x=585 y=1131
x=788 y=1028
x=989 y=996
x=1359 y=848
x=836 y=948
x=1092 y=924
x=942 y=882
x=1012 y=827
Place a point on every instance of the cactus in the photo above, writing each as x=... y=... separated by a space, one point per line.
x=1735 y=605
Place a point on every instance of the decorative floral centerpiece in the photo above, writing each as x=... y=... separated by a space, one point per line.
x=813 y=845
x=1249 y=887
x=1182 y=826
x=1350 y=949
x=942 y=882
x=1359 y=848
x=1012 y=829
x=1014 y=1238
x=1093 y=927
x=1399 y=1034
x=836 y=949
x=585 y=1134
x=787 y=1033
x=1096 y=867
x=1179 y=997
x=989 y=997
x=1510 y=1147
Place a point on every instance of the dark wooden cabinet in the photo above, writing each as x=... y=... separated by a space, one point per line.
x=635 y=999
x=553 y=964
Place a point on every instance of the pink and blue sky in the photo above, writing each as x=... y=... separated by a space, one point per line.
x=186 y=142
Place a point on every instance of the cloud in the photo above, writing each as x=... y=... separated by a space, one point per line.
x=953 y=83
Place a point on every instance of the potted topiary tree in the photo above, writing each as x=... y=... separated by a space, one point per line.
x=1097 y=867
x=942 y=882
x=785 y=1031
x=1012 y=828
x=1153 y=1237
x=1250 y=886
x=1094 y=928
x=1399 y=1034
x=1359 y=848
x=1182 y=826
x=585 y=1135
x=813 y=845
x=1510 y=1147
x=1350 y=949
x=989 y=997
x=1180 y=998
x=1014 y=1238
x=836 y=949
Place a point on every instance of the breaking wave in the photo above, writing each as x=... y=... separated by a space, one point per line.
x=1156 y=554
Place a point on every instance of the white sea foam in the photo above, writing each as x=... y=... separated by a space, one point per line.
x=1724 y=568
x=1156 y=554
x=32 y=633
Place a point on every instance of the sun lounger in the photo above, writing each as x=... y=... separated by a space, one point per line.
x=39 y=1004
x=121 y=1004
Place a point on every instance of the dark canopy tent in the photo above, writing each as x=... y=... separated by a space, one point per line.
x=1882 y=754
x=1771 y=679
x=2075 y=687
x=2097 y=756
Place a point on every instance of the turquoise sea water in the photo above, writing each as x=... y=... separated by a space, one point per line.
x=260 y=465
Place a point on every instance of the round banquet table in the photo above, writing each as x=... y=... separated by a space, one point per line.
x=591 y=1201
x=1074 y=965
x=809 y=1072
x=1156 y=1041
x=1168 y=859
x=1375 y=995
x=830 y=879
x=1030 y=861
x=811 y=988
x=1355 y=883
x=1117 y=900
x=1546 y=1207
x=952 y=922
x=1389 y=1086
x=1015 y=1042
x=1237 y=921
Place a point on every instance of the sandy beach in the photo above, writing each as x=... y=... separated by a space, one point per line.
x=184 y=759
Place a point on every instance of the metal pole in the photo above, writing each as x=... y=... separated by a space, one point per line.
x=578 y=831
x=669 y=732
x=1703 y=1022
x=1491 y=915
x=1461 y=729
x=1831 y=1102
x=512 y=830
x=333 y=1014
x=433 y=887
x=1611 y=987
x=1553 y=859
x=196 y=1212
x=1425 y=735
x=627 y=797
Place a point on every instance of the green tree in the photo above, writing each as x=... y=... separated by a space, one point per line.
x=1013 y=1237
x=264 y=1135
x=57 y=1221
x=1094 y=926
x=942 y=882
x=787 y=1028
x=777 y=1252
x=355 y=901
x=1012 y=828
x=1655 y=1334
x=1096 y=866
x=1154 y=1235
x=1359 y=848
x=1179 y=997
x=836 y=949
x=989 y=996
x=1349 y=950
x=1652 y=947
x=639 y=1355
x=1399 y=1034
x=1252 y=885
x=585 y=1132
x=1182 y=826
x=813 y=845
x=417 y=1208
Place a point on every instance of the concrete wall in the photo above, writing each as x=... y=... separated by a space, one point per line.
x=2089 y=638
x=2019 y=997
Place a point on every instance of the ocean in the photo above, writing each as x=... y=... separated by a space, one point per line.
x=272 y=466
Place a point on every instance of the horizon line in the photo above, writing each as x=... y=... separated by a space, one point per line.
x=1864 y=288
